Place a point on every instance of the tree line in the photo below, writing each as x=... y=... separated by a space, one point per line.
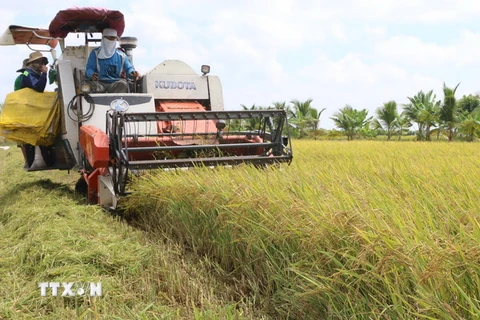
x=423 y=115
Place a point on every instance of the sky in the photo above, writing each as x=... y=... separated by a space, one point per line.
x=360 y=53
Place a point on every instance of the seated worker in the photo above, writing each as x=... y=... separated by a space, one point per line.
x=33 y=73
x=107 y=66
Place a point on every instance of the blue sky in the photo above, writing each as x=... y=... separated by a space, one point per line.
x=336 y=53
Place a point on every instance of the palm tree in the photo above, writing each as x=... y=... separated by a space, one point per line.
x=351 y=120
x=315 y=114
x=448 y=110
x=344 y=121
x=302 y=115
x=387 y=117
x=470 y=125
x=424 y=110
x=403 y=123
x=253 y=123
x=302 y=109
x=281 y=106
x=253 y=107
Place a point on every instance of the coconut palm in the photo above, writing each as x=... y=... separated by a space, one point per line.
x=470 y=125
x=302 y=109
x=448 y=110
x=253 y=123
x=402 y=124
x=253 y=107
x=302 y=116
x=351 y=120
x=315 y=114
x=424 y=110
x=387 y=116
x=281 y=106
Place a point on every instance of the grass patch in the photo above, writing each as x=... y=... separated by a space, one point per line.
x=49 y=234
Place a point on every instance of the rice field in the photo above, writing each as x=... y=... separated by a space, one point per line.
x=350 y=230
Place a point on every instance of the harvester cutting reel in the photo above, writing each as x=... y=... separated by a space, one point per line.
x=140 y=141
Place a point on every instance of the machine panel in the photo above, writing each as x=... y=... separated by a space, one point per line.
x=177 y=86
x=136 y=103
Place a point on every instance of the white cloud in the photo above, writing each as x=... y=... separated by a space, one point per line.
x=266 y=28
x=153 y=24
x=237 y=48
x=376 y=31
x=339 y=32
x=412 y=50
x=351 y=70
x=388 y=11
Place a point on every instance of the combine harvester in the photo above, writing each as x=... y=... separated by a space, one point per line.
x=170 y=118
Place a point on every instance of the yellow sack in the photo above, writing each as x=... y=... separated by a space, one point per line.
x=30 y=117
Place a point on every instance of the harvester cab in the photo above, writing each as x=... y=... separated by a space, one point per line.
x=171 y=117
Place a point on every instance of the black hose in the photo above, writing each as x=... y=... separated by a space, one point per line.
x=73 y=109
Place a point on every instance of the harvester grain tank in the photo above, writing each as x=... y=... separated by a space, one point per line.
x=171 y=117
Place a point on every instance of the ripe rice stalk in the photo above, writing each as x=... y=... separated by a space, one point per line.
x=370 y=228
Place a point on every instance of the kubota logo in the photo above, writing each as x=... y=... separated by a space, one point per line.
x=175 y=85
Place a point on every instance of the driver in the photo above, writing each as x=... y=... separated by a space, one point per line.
x=108 y=66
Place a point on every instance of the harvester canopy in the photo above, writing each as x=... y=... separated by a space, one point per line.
x=86 y=19
x=25 y=35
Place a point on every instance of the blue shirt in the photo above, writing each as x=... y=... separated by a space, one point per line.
x=31 y=79
x=111 y=68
